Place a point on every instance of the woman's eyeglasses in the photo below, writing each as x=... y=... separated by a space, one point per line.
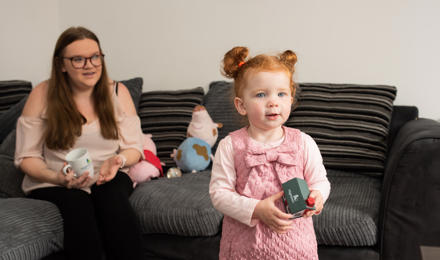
x=79 y=62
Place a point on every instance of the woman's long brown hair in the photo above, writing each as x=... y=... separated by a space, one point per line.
x=64 y=121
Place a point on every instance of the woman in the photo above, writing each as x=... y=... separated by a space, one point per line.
x=79 y=106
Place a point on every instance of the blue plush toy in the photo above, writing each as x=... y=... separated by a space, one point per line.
x=192 y=155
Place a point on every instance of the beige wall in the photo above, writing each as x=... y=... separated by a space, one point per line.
x=180 y=43
x=28 y=31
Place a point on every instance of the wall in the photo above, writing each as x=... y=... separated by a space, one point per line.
x=28 y=31
x=179 y=44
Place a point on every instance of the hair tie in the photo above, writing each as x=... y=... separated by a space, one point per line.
x=240 y=63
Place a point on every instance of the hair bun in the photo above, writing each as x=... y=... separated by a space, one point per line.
x=289 y=59
x=232 y=61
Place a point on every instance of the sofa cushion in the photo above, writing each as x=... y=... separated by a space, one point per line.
x=350 y=214
x=134 y=86
x=29 y=229
x=8 y=119
x=10 y=176
x=7 y=147
x=166 y=115
x=348 y=122
x=180 y=206
x=220 y=106
x=12 y=91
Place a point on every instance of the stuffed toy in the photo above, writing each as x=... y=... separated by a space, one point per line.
x=148 y=168
x=194 y=153
x=202 y=126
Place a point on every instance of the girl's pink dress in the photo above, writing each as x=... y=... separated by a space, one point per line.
x=260 y=172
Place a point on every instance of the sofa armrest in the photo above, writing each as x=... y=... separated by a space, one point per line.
x=410 y=209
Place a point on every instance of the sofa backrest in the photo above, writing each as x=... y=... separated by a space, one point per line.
x=349 y=122
x=13 y=96
x=401 y=115
x=166 y=115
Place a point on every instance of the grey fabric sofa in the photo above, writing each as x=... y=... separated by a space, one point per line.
x=385 y=177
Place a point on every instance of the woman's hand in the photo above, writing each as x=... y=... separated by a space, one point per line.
x=273 y=217
x=109 y=169
x=71 y=182
x=319 y=203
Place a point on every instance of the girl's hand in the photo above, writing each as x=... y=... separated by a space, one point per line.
x=71 y=182
x=319 y=203
x=272 y=216
x=109 y=169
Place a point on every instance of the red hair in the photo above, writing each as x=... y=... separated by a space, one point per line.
x=238 y=66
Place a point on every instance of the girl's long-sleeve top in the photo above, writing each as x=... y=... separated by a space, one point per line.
x=223 y=179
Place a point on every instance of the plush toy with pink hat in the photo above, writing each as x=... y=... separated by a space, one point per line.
x=148 y=168
x=202 y=126
x=194 y=153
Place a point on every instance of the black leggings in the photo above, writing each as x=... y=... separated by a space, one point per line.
x=101 y=221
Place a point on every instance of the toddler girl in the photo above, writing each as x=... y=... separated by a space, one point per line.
x=251 y=164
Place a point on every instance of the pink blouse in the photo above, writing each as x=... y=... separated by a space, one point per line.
x=30 y=143
x=222 y=185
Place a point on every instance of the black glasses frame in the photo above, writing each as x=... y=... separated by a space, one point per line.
x=101 y=56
